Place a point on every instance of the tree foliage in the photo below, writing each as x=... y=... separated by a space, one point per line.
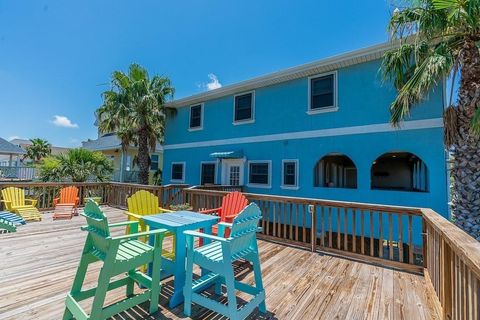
x=76 y=165
x=134 y=108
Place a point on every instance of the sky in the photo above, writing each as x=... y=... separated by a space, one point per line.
x=56 y=57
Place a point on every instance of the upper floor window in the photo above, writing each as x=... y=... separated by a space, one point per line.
x=243 y=107
x=259 y=173
x=290 y=174
x=322 y=90
x=196 y=115
x=178 y=171
x=154 y=162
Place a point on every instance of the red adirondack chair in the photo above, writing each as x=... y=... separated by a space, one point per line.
x=232 y=204
x=68 y=196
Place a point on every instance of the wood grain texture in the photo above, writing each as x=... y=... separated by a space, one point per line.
x=299 y=284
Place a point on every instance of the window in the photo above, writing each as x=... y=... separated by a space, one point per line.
x=259 y=173
x=243 y=107
x=402 y=171
x=154 y=162
x=289 y=173
x=196 y=113
x=322 y=90
x=178 y=171
x=335 y=171
x=207 y=173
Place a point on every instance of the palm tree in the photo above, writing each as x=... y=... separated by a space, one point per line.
x=38 y=150
x=439 y=39
x=134 y=108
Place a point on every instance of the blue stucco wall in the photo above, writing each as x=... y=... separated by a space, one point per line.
x=362 y=100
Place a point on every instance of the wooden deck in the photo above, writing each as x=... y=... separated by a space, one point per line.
x=38 y=263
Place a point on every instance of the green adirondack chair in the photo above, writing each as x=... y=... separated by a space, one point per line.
x=122 y=254
x=216 y=260
x=7 y=226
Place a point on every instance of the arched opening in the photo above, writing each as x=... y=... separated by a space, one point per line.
x=335 y=171
x=402 y=171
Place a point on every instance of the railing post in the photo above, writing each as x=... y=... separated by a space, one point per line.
x=313 y=236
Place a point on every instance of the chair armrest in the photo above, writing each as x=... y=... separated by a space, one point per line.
x=209 y=211
x=121 y=224
x=222 y=226
x=8 y=204
x=197 y=234
x=140 y=234
x=133 y=215
x=232 y=216
x=166 y=210
x=77 y=201
x=33 y=202
x=55 y=201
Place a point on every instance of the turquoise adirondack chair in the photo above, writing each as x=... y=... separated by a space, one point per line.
x=122 y=254
x=216 y=260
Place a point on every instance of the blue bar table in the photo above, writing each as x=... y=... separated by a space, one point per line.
x=177 y=222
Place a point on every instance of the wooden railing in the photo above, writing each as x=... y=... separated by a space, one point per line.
x=385 y=235
x=112 y=193
x=413 y=239
x=117 y=193
x=452 y=264
x=218 y=187
x=45 y=192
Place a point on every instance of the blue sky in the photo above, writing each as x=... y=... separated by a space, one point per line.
x=56 y=57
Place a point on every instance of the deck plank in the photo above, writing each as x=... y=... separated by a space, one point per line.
x=38 y=263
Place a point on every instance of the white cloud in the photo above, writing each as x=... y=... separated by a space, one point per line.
x=13 y=138
x=62 y=121
x=214 y=83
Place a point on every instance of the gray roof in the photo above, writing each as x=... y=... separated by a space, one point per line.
x=302 y=71
x=9 y=148
x=108 y=142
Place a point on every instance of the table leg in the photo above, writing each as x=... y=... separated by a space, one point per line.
x=179 y=272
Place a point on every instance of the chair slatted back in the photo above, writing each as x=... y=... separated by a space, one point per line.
x=143 y=203
x=69 y=194
x=15 y=195
x=244 y=228
x=97 y=227
x=232 y=204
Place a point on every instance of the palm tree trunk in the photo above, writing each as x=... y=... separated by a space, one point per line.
x=466 y=151
x=143 y=157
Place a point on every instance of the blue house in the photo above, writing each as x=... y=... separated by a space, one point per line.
x=318 y=130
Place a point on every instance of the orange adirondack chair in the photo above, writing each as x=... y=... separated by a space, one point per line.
x=232 y=204
x=68 y=196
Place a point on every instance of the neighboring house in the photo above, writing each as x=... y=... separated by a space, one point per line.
x=317 y=130
x=24 y=143
x=125 y=168
x=10 y=153
x=10 y=163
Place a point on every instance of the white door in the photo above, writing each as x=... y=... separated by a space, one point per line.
x=232 y=172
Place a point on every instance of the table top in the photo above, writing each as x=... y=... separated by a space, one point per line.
x=180 y=219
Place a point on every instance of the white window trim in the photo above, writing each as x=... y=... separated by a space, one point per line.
x=297 y=185
x=214 y=174
x=158 y=162
x=183 y=173
x=258 y=185
x=246 y=121
x=333 y=108
x=202 y=107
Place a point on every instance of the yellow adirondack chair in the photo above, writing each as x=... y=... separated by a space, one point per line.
x=143 y=203
x=14 y=200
